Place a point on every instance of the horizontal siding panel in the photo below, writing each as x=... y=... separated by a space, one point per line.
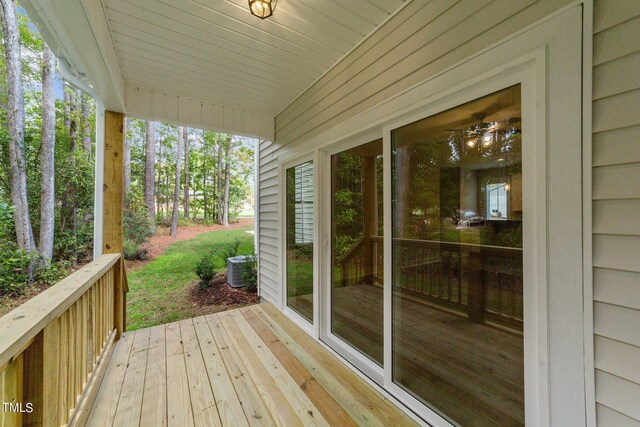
x=269 y=241
x=617 y=41
x=268 y=173
x=614 y=112
x=267 y=150
x=268 y=161
x=268 y=191
x=269 y=257
x=618 y=394
x=272 y=249
x=442 y=36
x=268 y=182
x=271 y=232
x=607 y=417
x=271 y=199
x=269 y=215
x=268 y=225
x=608 y=13
x=617 y=182
x=617 y=287
x=616 y=252
x=268 y=208
x=617 y=76
x=270 y=270
x=617 y=146
x=618 y=358
x=617 y=217
x=617 y=322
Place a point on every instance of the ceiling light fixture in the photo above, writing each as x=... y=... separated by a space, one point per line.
x=262 y=8
x=487 y=140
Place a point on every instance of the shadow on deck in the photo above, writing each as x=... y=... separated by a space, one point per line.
x=249 y=366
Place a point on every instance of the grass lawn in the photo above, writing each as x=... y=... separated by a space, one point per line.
x=158 y=291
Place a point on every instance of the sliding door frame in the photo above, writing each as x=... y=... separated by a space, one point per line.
x=354 y=356
x=310 y=327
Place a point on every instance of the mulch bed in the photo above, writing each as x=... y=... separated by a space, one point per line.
x=219 y=296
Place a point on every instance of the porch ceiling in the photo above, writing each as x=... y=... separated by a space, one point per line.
x=216 y=51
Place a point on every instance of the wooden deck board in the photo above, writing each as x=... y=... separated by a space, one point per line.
x=106 y=403
x=130 y=403
x=179 y=410
x=154 y=402
x=244 y=367
x=203 y=402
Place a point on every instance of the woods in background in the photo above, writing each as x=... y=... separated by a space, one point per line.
x=173 y=175
x=177 y=175
x=46 y=161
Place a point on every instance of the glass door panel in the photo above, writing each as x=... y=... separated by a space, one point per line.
x=457 y=300
x=357 y=249
x=299 y=239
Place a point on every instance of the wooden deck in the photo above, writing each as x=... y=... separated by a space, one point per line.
x=243 y=367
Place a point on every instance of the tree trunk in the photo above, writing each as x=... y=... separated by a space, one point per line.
x=86 y=125
x=204 y=183
x=186 y=174
x=227 y=177
x=15 y=124
x=74 y=98
x=219 y=183
x=67 y=106
x=127 y=158
x=150 y=171
x=47 y=213
x=182 y=134
x=73 y=120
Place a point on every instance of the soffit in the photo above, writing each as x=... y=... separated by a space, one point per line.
x=216 y=51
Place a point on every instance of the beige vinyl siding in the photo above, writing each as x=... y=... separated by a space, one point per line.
x=268 y=225
x=616 y=211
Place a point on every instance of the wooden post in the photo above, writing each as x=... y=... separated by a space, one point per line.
x=370 y=209
x=476 y=287
x=113 y=207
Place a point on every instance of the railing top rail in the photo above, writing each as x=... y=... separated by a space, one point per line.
x=20 y=326
x=419 y=242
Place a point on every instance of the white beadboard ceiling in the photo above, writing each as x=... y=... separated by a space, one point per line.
x=216 y=51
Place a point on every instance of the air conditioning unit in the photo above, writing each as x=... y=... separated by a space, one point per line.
x=235 y=266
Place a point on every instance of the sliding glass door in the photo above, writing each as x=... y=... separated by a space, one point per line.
x=356 y=306
x=457 y=276
x=299 y=239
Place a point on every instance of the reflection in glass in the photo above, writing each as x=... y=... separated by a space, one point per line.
x=457 y=306
x=356 y=221
x=299 y=239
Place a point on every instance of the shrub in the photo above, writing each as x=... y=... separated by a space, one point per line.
x=228 y=250
x=133 y=251
x=249 y=273
x=52 y=273
x=14 y=268
x=205 y=269
x=137 y=226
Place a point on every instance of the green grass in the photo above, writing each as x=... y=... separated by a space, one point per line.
x=158 y=291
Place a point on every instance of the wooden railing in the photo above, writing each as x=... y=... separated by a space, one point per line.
x=54 y=349
x=352 y=264
x=484 y=282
